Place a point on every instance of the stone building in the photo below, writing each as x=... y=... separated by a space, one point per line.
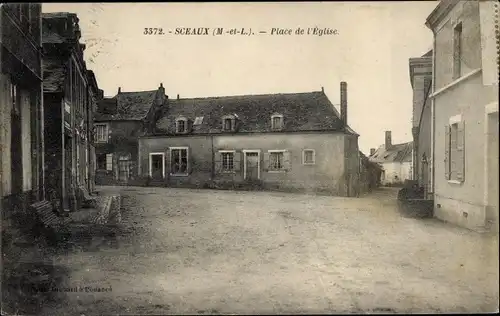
x=295 y=141
x=465 y=113
x=421 y=83
x=118 y=124
x=69 y=90
x=21 y=107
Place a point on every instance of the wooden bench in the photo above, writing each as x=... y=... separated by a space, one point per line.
x=88 y=200
x=53 y=225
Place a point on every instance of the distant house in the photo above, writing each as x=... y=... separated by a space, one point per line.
x=465 y=107
x=117 y=125
x=395 y=159
x=295 y=141
x=421 y=83
x=370 y=174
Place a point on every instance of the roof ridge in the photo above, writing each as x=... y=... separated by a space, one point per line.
x=247 y=95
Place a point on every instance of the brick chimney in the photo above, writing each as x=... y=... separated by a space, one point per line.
x=388 y=140
x=343 y=102
x=372 y=151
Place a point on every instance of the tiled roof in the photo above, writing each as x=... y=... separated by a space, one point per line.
x=396 y=153
x=311 y=111
x=53 y=75
x=130 y=106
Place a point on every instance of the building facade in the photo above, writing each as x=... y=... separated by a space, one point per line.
x=465 y=113
x=21 y=107
x=278 y=141
x=69 y=96
x=395 y=159
x=421 y=83
x=118 y=124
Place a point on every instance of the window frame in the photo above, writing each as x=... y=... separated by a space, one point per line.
x=457 y=50
x=455 y=153
x=280 y=116
x=277 y=151
x=304 y=162
x=232 y=119
x=105 y=133
x=171 y=149
x=184 y=121
x=222 y=153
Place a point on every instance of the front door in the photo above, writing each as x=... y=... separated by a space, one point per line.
x=156 y=166
x=123 y=170
x=252 y=166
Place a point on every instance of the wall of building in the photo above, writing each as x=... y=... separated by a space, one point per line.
x=5 y=136
x=122 y=141
x=462 y=203
x=395 y=173
x=326 y=174
x=455 y=201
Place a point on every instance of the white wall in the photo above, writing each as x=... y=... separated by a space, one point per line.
x=393 y=169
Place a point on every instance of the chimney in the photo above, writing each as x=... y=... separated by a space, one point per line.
x=322 y=89
x=372 y=151
x=161 y=90
x=119 y=89
x=343 y=102
x=100 y=95
x=388 y=140
x=177 y=96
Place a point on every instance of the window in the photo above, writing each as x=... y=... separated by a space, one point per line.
x=198 y=120
x=179 y=160
x=228 y=124
x=101 y=132
x=276 y=161
x=457 y=51
x=277 y=121
x=455 y=150
x=309 y=157
x=227 y=161
x=181 y=125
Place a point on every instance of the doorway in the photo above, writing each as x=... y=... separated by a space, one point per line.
x=157 y=165
x=252 y=165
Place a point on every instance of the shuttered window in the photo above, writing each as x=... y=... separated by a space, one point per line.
x=109 y=162
x=455 y=152
x=277 y=160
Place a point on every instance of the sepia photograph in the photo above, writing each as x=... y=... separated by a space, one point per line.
x=275 y=158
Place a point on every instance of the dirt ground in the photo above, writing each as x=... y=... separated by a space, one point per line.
x=183 y=251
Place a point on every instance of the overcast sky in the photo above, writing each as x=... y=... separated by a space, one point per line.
x=370 y=53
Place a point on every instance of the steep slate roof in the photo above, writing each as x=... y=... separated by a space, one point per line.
x=310 y=111
x=130 y=106
x=53 y=75
x=396 y=153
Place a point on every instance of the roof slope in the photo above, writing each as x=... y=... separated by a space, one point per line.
x=310 y=111
x=130 y=106
x=396 y=153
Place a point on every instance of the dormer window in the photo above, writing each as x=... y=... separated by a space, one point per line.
x=276 y=121
x=181 y=125
x=229 y=123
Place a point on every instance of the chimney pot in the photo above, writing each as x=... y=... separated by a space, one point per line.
x=372 y=151
x=388 y=139
x=161 y=84
x=177 y=96
x=322 y=89
x=343 y=101
x=119 y=89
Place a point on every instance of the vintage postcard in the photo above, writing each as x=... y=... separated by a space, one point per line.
x=249 y=158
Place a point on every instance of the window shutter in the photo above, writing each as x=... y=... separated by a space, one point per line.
x=109 y=162
x=237 y=161
x=167 y=161
x=266 y=161
x=218 y=162
x=460 y=160
x=447 y=152
x=287 y=164
x=190 y=161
